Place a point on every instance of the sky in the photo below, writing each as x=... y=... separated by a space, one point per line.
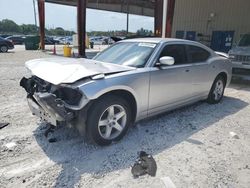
x=21 y=11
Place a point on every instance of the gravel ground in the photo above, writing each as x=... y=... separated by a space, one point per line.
x=192 y=146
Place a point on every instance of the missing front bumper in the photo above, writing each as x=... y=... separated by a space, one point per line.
x=49 y=108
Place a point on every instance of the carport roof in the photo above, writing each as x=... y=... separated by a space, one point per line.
x=138 y=7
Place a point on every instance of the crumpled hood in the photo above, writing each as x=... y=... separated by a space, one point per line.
x=67 y=70
x=240 y=51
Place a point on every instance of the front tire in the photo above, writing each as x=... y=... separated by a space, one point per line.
x=217 y=91
x=4 y=48
x=109 y=119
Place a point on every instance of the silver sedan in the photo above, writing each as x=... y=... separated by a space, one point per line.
x=129 y=81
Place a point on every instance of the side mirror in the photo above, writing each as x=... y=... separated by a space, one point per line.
x=166 y=61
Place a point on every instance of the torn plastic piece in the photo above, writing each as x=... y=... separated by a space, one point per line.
x=234 y=135
x=2 y=125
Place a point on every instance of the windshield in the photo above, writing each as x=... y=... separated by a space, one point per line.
x=245 y=41
x=134 y=54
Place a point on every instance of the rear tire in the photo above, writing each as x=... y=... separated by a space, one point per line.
x=108 y=120
x=4 y=48
x=217 y=91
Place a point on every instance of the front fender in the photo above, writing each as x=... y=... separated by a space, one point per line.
x=136 y=84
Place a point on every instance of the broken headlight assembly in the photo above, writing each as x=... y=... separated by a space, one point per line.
x=72 y=98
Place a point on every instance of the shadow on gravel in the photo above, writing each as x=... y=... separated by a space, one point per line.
x=9 y=52
x=152 y=135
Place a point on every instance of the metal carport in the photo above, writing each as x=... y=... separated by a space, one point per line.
x=161 y=10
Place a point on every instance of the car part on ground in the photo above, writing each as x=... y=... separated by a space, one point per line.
x=145 y=164
x=103 y=96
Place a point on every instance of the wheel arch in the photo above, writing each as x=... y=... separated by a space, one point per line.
x=224 y=75
x=127 y=95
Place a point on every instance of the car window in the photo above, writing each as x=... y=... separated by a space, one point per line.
x=177 y=51
x=197 y=54
x=245 y=40
x=134 y=54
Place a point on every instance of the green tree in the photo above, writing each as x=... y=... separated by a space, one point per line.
x=28 y=29
x=9 y=26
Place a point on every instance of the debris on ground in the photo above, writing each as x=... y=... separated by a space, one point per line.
x=234 y=135
x=51 y=129
x=52 y=140
x=10 y=145
x=2 y=125
x=145 y=164
x=168 y=182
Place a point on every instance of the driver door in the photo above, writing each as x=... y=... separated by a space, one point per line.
x=170 y=86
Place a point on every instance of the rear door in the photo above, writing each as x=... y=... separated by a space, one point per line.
x=201 y=69
x=170 y=85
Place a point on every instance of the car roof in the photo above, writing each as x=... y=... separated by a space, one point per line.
x=156 y=40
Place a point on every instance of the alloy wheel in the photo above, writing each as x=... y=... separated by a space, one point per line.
x=112 y=122
x=218 y=90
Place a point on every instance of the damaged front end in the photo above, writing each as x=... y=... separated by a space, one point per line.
x=54 y=104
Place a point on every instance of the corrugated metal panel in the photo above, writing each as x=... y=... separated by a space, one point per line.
x=230 y=15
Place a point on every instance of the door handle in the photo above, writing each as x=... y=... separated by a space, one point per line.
x=187 y=70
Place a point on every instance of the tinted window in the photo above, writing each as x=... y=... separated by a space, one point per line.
x=197 y=54
x=177 y=51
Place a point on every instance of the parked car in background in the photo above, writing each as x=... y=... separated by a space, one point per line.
x=129 y=81
x=98 y=40
x=5 y=45
x=16 y=39
x=60 y=39
x=240 y=56
x=49 y=41
x=5 y=35
x=68 y=40
x=52 y=40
